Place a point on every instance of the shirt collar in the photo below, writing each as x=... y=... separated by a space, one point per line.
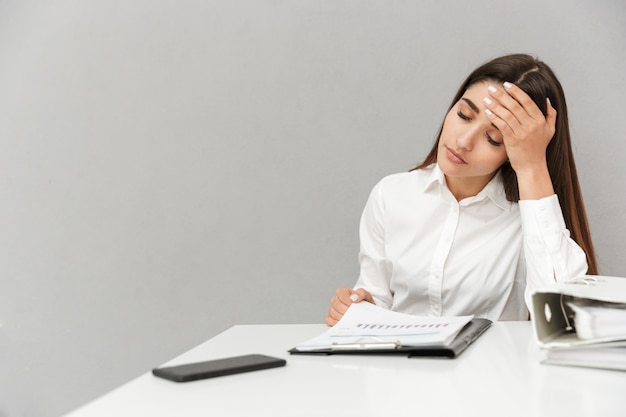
x=494 y=190
x=436 y=177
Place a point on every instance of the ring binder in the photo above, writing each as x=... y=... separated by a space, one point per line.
x=565 y=331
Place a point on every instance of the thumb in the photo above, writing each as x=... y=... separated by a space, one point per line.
x=550 y=115
x=361 y=294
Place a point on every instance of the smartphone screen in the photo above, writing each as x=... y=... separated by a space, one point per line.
x=218 y=367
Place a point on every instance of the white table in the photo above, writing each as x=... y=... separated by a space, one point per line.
x=499 y=375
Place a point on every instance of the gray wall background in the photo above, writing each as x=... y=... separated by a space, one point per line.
x=169 y=169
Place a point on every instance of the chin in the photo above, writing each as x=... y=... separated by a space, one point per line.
x=450 y=169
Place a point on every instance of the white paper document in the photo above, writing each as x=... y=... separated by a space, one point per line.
x=611 y=356
x=597 y=319
x=365 y=323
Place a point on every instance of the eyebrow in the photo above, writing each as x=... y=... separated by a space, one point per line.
x=471 y=104
x=475 y=108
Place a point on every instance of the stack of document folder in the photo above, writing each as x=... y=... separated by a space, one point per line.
x=368 y=329
x=582 y=322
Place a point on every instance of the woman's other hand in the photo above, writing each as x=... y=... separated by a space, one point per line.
x=343 y=298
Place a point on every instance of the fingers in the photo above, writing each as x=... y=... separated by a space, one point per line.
x=513 y=105
x=513 y=109
x=344 y=298
x=511 y=91
x=514 y=113
x=339 y=304
x=506 y=108
x=330 y=320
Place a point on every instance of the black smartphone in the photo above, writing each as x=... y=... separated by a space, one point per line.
x=218 y=367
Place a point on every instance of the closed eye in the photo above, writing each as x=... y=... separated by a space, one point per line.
x=492 y=141
x=463 y=116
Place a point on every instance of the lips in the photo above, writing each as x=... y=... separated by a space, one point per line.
x=454 y=157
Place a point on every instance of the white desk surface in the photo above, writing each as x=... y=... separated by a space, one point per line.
x=499 y=375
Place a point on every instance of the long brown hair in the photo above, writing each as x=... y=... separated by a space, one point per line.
x=538 y=81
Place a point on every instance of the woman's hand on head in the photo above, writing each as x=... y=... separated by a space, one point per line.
x=526 y=132
x=343 y=298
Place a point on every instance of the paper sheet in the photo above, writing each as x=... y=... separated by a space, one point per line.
x=367 y=323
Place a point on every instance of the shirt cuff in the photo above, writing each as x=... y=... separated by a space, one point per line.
x=541 y=217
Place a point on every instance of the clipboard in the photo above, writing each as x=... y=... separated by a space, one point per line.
x=468 y=335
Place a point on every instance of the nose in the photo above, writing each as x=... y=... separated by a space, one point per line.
x=465 y=140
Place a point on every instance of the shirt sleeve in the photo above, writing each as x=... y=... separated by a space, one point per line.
x=551 y=255
x=374 y=274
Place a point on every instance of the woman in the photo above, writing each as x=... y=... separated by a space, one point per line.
x=494 y=210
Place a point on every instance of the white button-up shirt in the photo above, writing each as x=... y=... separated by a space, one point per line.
x=425 y=253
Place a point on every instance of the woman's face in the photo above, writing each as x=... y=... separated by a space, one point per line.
x=470 y=148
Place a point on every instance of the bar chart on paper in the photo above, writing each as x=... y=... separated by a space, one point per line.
x=392 y=329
